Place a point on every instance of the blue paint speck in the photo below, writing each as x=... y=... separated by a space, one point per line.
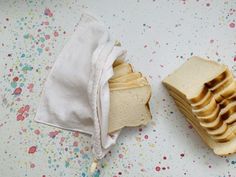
x=40 y=50
x=76 y=150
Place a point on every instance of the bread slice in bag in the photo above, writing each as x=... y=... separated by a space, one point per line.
x=130 y=93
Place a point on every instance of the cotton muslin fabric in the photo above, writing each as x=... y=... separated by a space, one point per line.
x=76 y=94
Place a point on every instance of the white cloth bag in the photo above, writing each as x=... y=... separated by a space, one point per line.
x=76 y=93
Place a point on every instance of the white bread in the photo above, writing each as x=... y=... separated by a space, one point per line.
x=122 y=69
x=140 y=82
x=196 y=72
x=215 y=127
x=126 y=78
x=118 y=62
x=227 y=136
x=214 y=121
x=129 y=107
x=130 y=93
x=223 y=148
x=214 y=132
x=219 y=92
x=205 y=92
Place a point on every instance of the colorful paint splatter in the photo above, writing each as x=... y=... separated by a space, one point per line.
x=159 y=36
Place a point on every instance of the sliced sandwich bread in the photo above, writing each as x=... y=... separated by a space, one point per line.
x=130 y=93
x=205 y=93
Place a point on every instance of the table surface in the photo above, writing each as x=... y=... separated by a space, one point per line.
x=159 y=36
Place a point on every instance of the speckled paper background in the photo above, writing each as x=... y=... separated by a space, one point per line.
x=159 y=36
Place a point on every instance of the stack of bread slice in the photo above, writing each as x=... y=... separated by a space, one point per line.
x=130 y=93
x=205 y=92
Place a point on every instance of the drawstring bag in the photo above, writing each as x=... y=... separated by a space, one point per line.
x=76 y=94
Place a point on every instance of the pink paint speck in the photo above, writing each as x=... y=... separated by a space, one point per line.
x=23 y=113
x=37 y=132
x=53 y=134
x=24 y=109
x=232 y=25
x=17 y=91
x=27 y=107
x=158 y=168
x=121 y=156
x=21 y=110
x=32 y=165
x=47 y=36
x=15 y=79
x=20 y=117
x=30 y=87
x=235 y=58
x=62 y=140
x=146 y=137
x=75 y=143
x=56 y=33
x=48 y=12
x=32 y=150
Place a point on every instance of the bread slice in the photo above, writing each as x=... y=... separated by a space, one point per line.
x=118 y=62
x=226 y=91
x=126 y=78
x=192 y=76
x=216 y=93
x=212 y=103
x=228 y=100
x=226 y=113
x=219 y=80
x=140 y=82
x=129 y=107
x=203 y=102
x=130 y=93
x=218 y=131
x=217 y=126
x=205 y=93
x=219 y=91
x=223 y=113
x=207 y=109
x=228 y=135
x=205 y=118
x=219 y=148
x=122 y=69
